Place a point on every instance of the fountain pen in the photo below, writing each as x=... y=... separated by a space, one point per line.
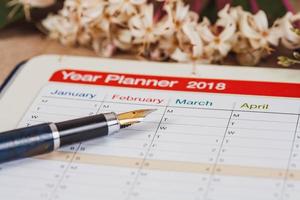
x=47 y=137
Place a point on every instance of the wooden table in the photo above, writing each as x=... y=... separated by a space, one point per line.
x=22 y=41
x=19 y=43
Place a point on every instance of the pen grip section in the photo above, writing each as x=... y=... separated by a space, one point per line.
x=25 y=142
x=82 y=129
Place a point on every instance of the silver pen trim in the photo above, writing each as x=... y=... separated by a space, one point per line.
x=113 y=124
x=56 y=136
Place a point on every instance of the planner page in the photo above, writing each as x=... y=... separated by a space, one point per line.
x=209 y=139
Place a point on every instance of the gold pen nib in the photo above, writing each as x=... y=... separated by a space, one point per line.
x=132 y=117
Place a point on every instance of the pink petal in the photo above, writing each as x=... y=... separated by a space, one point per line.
x=222 y=3
x=254 y=6
x=287 y=4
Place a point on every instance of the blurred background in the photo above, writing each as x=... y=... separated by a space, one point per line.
x=21 y=36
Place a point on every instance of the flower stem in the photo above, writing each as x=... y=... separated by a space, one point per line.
x=286 y=62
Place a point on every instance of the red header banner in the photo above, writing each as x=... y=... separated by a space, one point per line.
x=178 y=83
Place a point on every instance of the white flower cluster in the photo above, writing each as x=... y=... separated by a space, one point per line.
x=176 y=33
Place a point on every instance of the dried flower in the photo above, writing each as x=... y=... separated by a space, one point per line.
x=193 y=49
x=178 y=15
x=124 y=7
x=170 y=30
x=219 y=37
x=256 y=29
x=62 y=28
x=285 y=61
x=290 y=38
x=254 y=39
x=144 y=29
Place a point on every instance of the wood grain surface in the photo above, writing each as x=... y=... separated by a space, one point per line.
x=22 y=42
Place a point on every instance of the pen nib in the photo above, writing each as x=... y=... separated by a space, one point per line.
x=132 y=117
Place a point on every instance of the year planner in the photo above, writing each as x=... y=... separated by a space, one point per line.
x=224 y=133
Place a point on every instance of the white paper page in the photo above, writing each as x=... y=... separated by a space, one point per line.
x=197 y=145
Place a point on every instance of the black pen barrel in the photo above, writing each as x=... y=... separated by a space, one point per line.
x=82 y=129
x=26 y=142
x=44 y=138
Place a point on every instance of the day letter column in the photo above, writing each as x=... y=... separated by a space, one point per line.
x=255 y=152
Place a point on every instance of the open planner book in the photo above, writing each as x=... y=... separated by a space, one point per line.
x=226 y=133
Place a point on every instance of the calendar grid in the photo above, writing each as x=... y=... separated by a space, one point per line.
x=200 y=152
x=218 y=155
x=289 y=161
